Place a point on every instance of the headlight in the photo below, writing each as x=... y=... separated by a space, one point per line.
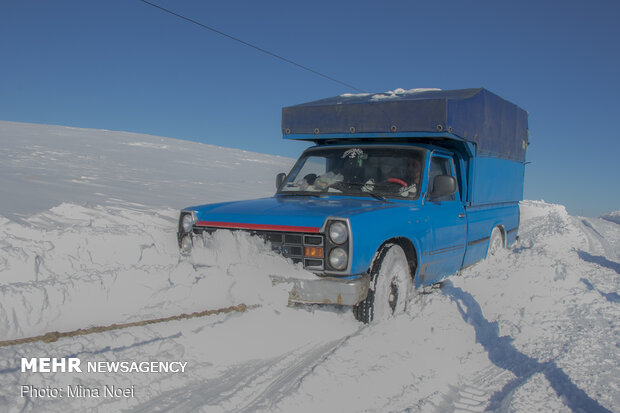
x=338 y=232
x=186 y=244
x=187 y=222
x=338 y=259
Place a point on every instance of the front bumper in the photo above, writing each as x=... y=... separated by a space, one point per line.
x=328 y=290
x=345 y=290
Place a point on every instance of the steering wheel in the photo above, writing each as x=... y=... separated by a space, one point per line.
x=310 y=178
x=398 y=181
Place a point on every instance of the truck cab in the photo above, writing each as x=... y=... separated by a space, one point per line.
x=373 y=213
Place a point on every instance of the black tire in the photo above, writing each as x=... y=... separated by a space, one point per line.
x=390 y=282
x=496 y=242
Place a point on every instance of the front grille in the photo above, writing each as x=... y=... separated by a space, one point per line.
x=289 y=244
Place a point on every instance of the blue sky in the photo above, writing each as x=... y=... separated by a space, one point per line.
x=123 y=65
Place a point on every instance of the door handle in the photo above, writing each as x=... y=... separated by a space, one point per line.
x=461 y=215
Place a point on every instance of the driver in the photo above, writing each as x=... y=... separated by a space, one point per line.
x=414 y=170
x=408 y=178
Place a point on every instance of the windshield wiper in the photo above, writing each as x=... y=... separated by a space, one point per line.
x=365 y=188
x=377 y=196
x=315 y=195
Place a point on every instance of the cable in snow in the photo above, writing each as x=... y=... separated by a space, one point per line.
x=55 y=335
x=204 y=26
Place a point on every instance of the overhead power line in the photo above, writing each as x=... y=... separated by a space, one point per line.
x=260 y=49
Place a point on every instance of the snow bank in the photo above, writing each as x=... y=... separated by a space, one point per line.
x=612 y=217
x=75 y=267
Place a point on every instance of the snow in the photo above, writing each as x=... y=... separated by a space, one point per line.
x=612 y=216
x=43 y=166
x=391 y=94
x=88 y=238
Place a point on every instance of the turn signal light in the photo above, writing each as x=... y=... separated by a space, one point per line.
x=316 y=252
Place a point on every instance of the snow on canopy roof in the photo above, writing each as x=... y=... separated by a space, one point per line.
x=390 y=94
x=496 y=126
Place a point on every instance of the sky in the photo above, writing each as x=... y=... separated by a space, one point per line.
x=124 y=65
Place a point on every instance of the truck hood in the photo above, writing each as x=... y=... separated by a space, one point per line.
x=294 y=213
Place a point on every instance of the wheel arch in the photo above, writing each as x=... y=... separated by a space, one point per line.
x=502 y=231
x=409 y=250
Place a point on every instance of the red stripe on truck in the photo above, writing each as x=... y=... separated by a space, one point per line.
x=262 y=227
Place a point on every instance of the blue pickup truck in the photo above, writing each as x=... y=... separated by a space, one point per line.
x=400 y=190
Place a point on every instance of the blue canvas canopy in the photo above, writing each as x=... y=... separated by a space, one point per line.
x=496 y=126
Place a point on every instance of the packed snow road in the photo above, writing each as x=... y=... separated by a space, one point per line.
x=534 y=328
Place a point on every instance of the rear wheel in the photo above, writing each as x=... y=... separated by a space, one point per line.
x=496 y=242
x=390 y=282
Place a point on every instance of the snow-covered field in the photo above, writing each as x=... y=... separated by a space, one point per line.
x=87 y=238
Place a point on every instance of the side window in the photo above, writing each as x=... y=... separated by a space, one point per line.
x=440 y=166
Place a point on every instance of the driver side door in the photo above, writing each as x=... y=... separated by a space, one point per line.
x=448 y=225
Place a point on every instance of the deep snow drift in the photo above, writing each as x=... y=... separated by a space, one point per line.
x=532 y=329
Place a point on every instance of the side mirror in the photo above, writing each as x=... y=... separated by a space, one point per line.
x=443 y=185
x=280 y=179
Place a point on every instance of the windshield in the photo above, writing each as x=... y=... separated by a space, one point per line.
x=381 y=172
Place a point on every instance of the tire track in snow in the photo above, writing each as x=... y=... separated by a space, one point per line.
x=475 y=394
x=597 y=242
x=599 y=247
x=246 y=387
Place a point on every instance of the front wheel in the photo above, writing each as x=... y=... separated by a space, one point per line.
x=390 y=282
